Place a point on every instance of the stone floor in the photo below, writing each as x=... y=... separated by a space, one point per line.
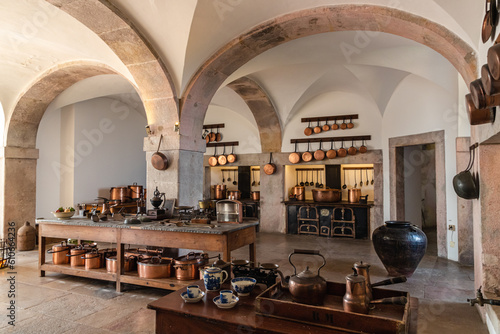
x=64 y=304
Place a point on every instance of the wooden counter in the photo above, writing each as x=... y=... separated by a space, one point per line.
x=173 y=315
x=224 y=238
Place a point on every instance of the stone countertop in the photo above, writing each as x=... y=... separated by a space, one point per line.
x=218 y=228
x=341 y=203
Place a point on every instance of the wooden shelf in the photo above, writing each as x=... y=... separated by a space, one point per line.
x=329 y=139
x=67 y=269
x=219 y=144
x=214 y=126
x=329 y=118
x=170 y=283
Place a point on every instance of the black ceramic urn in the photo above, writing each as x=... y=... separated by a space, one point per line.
x=400 y=246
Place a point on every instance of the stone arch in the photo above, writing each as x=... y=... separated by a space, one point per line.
x=154 y=84
x=19 y=156
x=279 y=30
x=263 y=110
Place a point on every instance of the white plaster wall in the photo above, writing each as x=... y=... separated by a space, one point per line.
x=109 y=138
x=236 y=128
x=47 y=169
x=419 y=106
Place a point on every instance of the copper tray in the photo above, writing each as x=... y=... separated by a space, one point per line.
x=277 y=302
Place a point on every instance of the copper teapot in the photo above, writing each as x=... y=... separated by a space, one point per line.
x=306 y=287
x=363 y=269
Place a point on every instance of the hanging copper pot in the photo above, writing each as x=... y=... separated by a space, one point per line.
x=212 y=161
x=231 y=158
x=352 y=150
x=218 y=135
x=221 y=159
x=319 y=154
x=335 y=126
x=331 y=153
x=294 y=157
x=270 y=168
x=478 y=116
x=350 y=125
x=342 y=152
x=307 y=156
x=158 y=159
x=326 y=127
x=343 y=126
x=363 y=148
x=308 y=131
x=317 y=129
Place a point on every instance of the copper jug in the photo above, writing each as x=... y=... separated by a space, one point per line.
x=306 y=287
x=355 y=298
x=363 y=269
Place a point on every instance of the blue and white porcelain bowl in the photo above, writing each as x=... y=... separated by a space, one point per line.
x=243 y=285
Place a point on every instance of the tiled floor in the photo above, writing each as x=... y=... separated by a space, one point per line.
x=65 y=304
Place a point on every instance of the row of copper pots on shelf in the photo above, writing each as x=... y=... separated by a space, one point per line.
x=326 y=127
x=485 y=92
x=320 y=154
x=222 y=159
x=212 y=136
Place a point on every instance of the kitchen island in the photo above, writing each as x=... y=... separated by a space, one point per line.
x=222 y=237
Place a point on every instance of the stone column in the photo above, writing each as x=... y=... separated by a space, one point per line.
x=19 y=185
x=182 y=180
x=272 y=211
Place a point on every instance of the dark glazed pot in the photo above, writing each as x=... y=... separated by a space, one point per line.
x=400 y=246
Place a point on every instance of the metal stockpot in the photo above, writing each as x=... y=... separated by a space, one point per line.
x=187 y=266
x=129 y=264
x=299 y=193
x=93 y=259
x=75 y=256
x=59 y=253
x=220 y=191
x=155 y=267
x=255 y=195
x=354 y=195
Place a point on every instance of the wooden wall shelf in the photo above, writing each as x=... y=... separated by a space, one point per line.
x=220 y=144
x=329 y=118
x=330 y=139
x=214 y=126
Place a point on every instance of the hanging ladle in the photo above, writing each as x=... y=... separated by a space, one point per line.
x=373 y=172
x=297 y=178
x=253 y=177
x=302 y=178
x=361 y=175
x=345 y=185
x=321 y=184
x=317 y=178
x=223 y=180
x=235 y=182
x=307 y=177
x=228 y=176
x=367 y=182
x=355 y=182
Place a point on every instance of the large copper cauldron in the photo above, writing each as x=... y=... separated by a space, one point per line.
x=327 y=195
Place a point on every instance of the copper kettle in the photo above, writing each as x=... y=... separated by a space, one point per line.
x=306 y=287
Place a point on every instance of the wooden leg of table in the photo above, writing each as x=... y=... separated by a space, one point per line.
x=120 y=261
x=252 y=251
x=41 y=251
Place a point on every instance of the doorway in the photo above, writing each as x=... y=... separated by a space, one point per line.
x=417 y=185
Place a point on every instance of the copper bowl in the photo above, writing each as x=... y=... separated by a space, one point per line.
x=327 y=195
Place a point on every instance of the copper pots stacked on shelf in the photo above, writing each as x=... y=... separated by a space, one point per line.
x=155 y=267
x=60 y=252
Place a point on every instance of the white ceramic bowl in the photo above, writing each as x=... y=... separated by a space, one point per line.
x=243 y=285
x=63 y=215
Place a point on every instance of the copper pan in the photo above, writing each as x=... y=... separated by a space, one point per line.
x=352 y=150
x=331 y=153
x=350 y=125
x=212 y=161
x=270 y=168
x=363 y=148
x=335 y=126
x=158 y=159
x=486 y=28
x=343 y=126
x=319 y=154
x=480 y=98
x=326 y=127
x=221 y=159
x=308 y=131
x=218 y=135
x=341 y=152
x=307 y=156
x=294 y=157
x=231 y=158
x=493 y=60
x=317 y=129
x=490 y=85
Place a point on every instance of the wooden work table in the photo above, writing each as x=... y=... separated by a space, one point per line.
x=175 y=316
x=223 y=238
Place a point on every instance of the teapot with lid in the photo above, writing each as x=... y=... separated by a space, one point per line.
x=355 y=298
x=306 y=287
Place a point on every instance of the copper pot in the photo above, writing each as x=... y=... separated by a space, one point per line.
x=335 y=126
x=220 y=191
x=270 y=168
x=327 y=195
x=59 y=253
x=480 y=98
x=158 y=159
x=341 y=152
x=75 y=256
x=187 y=266
x=231 y=158
x=478 y=116
x=212 y=161
x=354 y=195
x=363 y=148
x=326 y=127
x=234 y=194
x=308 y=131
x=299 y=193
x=93 y=259
x=120 y=193
x=317 y=129
x=135 y=191
x=255 y=195
x=494 y=61
x=331 y=153
x=319 y=154
x=294 y=157
x=129 y=264
x=222 y=159
x=307 y=156
x=156 y=267
x=352 y=150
